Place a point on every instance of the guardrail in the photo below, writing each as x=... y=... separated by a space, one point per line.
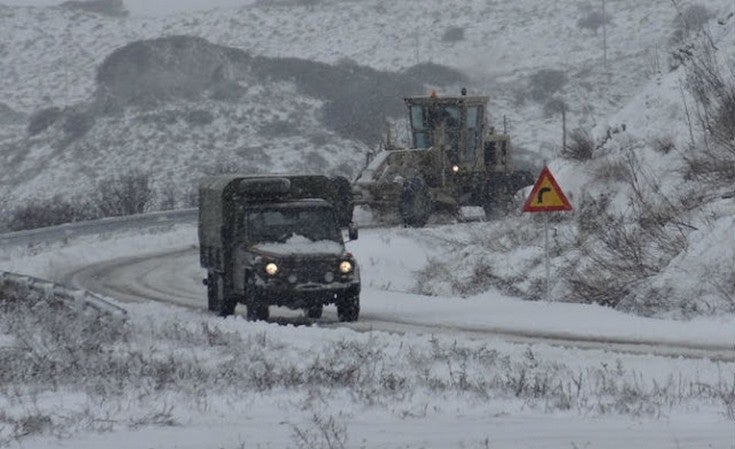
x=105 y=225
x=24 y=286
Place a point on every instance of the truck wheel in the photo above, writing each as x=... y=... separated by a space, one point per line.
x=257 y=312
x=226 y=307
x=414 y=207
x=314 y=312
x=221 y=306
x=349 y=309
x=211 y=292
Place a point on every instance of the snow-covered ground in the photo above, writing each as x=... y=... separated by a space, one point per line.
x=457 y=386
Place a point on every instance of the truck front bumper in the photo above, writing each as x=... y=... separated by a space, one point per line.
x=299 y=296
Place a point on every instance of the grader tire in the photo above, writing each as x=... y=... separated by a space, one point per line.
x=415 y=203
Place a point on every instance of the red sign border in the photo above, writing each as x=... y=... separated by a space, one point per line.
x=565 y=206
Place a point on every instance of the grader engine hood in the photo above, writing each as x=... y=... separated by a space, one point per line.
x=396 y=165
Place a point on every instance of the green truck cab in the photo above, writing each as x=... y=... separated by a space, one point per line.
x=278 y=240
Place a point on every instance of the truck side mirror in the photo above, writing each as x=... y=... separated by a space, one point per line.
x=352 y=231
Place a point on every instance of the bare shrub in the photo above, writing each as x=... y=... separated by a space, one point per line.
x=554 y=106
x=43 y=213
x=198 y=117
x=125 y=195
x=713 y=160
x=31 y=424
x=113 y=8
x=76 y=123
x=278 y=128
x=166 y=197
x=435 y=74
x=612 y=170
x=593 y=20
x=326 y=433
x=590 y=213
x=41 y=120
x=692 y=19
x=622 y=251
x=545 y=83
x=453 y=34
x=10 y=117
x=664 y=144
x=580 y=146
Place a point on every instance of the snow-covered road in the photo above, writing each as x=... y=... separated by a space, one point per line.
x=174 y=276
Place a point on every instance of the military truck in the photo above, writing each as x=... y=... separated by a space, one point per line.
x=456 y=159
x=278 y=240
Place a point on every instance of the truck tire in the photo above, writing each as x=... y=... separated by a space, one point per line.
x=314 y=312
x=415 y=206
x=257 y=312
x=220 y=305
x=226 y=307
x=211 y=292
x=349 y=309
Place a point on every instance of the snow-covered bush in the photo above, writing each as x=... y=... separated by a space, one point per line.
x=622 y=250
x=114 y=8
x=52 y=212
x=41 y=120
x=593 y=20
x=453 y=34
x=689 y=20
x=713 y=89
x=544 y=83
x=127 y=194
x=580 y=146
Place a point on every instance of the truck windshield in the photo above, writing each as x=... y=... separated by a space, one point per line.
x=279 y=224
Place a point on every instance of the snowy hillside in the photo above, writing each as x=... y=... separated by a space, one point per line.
x=526 y=55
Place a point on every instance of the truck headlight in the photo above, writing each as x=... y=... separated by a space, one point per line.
x=271 y=269
x=345 y=267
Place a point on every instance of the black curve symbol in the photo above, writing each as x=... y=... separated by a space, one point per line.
x=540 y=198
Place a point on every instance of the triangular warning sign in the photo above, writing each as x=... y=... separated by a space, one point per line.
x=546 y=195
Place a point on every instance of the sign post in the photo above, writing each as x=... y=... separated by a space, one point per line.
x=546 y=196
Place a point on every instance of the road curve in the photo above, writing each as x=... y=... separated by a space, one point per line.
x=175 y=277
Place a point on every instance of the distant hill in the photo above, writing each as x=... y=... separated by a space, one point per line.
x=112 y=8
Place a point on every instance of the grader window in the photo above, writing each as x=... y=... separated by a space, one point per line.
x=418 y=126
x=471 y=133
x=422 y=140
x=417 y=118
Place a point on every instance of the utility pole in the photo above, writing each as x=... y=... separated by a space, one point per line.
x=416 y=44
x=563 y=127
x=604 y=35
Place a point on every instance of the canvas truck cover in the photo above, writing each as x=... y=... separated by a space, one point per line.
x=220 y=195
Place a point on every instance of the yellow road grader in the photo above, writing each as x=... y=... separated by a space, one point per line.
x=455 y=160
